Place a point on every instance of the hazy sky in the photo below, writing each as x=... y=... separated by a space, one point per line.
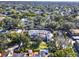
x=41 y=0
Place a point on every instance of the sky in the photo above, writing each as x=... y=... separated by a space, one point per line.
x=43 y=0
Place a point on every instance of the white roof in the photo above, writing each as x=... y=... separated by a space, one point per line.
x=77 y=17
x=75 y=37
x=41 y=33
x=19 y=31
x=24 y=19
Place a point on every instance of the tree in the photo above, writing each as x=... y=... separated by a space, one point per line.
x=42 y=45
x=10 y=23
x=35 y=45
x=1 y=49
x=52 y=46
x=18 y=38
x=68 y=52
x=25 y=39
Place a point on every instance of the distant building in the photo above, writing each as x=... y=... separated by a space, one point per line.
x=26 y=23
x=74 y=33
x=41 y=33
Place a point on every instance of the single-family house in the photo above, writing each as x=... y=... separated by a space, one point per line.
x=40 y=33
x=74 y=34
x=7 y=13
x=44 y=53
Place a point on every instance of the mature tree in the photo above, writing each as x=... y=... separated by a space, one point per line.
x=68 y=52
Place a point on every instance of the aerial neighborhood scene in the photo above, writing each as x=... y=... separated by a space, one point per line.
x=39 y=29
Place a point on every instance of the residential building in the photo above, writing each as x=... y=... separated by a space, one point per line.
x=74 y=33
x=27 y=24
x=41 y=33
